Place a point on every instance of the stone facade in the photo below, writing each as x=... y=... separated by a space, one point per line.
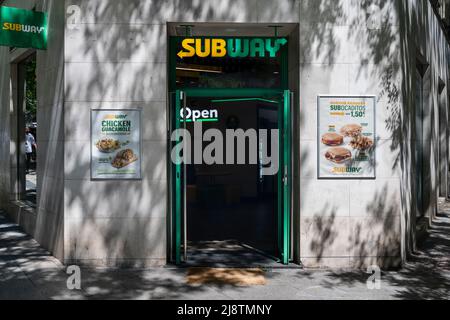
x=113 y=54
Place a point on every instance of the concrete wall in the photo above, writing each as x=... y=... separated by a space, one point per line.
x=422 y=40
x=350 y=47
x=50 y=155
x=359 y=224
x=355 y=47
x=115 y=57
x=5 y=84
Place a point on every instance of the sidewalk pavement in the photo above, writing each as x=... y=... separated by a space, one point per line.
x=29 y=272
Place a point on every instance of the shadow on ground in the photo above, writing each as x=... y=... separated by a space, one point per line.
x=29 y=272
x=426 y=275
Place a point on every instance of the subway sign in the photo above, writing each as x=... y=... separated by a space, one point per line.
x=232 y=47
x=23 y=28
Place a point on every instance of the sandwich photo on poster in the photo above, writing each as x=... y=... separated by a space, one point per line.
x=115 y=144
x=346 y=137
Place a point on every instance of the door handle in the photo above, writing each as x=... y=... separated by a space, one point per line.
x=285 y=176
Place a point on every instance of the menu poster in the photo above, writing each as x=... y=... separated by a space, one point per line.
x=116 y=144
x=346 y=137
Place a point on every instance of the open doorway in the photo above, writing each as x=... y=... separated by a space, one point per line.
x=24 y=128
x=231 y=213
x=231 y=205
x=30 y=130
x=235 y=76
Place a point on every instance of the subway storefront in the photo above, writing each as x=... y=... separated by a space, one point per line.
x=231 y=202
x=223 y=133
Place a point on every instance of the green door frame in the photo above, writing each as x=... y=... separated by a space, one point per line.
x=287 y=176
x=284 y=173
x=176 y=193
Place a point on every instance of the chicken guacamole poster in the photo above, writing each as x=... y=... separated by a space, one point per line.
x=115 y=144
x=346 y=137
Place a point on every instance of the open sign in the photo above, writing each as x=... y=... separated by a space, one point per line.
x=193 y=115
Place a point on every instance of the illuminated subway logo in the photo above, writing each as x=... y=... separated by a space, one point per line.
x=22 y=28
x=189 y=115
x=233 y=48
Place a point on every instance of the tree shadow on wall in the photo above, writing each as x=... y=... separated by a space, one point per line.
x=117 y=68
x=382 y=33
x=323 y=231
x=120 y=62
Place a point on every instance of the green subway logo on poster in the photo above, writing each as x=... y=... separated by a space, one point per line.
x=233 y=48
x=347 y=170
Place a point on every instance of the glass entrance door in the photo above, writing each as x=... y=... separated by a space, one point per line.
x=221 y=200
x=286 y=175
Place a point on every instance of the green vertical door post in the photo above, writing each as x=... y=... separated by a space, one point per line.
x=287 y=175
x=177 y=165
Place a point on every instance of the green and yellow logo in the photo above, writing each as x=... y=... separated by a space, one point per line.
x=9 y=26
x=234 y=48
x=347 y=170
x=23 y=28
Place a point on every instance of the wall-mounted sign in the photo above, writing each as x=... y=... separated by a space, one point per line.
x=23 y=28
x=233 y=47
x=346 y=137
x=116 y=144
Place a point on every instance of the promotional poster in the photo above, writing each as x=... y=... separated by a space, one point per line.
x=346 y=137
x=115 y=144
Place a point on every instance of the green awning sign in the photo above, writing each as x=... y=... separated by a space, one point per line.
x=23 y=28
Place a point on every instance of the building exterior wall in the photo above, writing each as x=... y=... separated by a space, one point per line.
x=422 y=39
x=50 y=116
x=350 y=47
x=115 y=56
x=8 y=126
x=5 y=188
x=45 y=223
